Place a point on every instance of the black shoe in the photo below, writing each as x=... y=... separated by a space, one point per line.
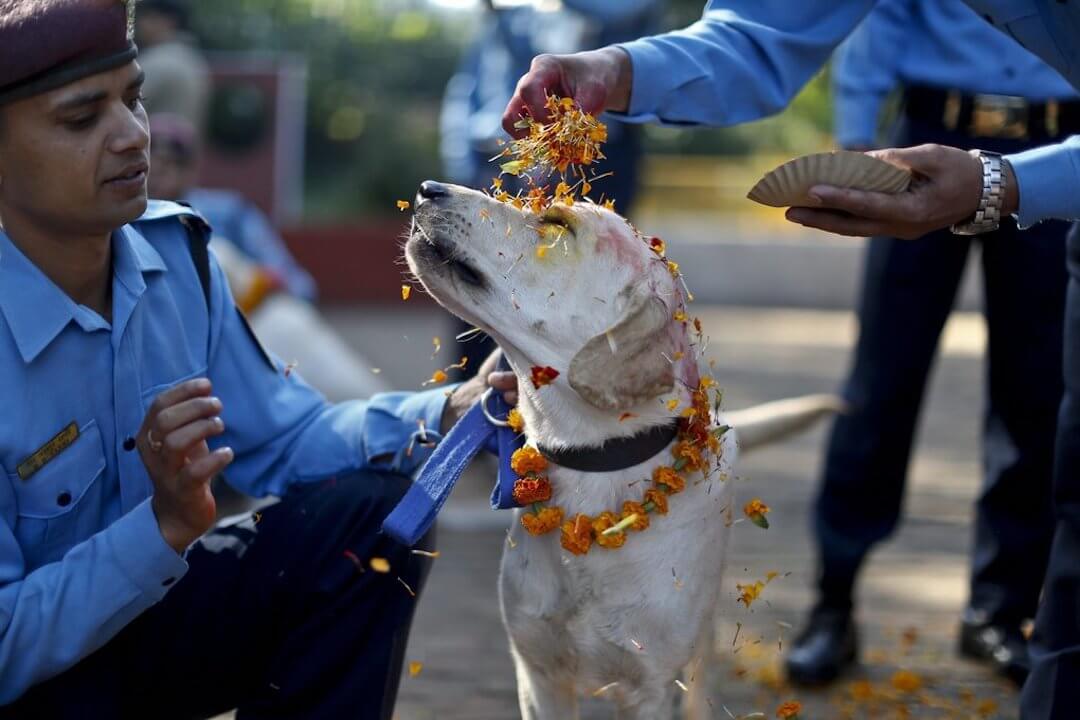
x=1004 y=648
x=826 y=647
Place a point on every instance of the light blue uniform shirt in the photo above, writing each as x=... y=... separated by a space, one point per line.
x=746 y=59
x=241 y=222
x=81 y=554
x=937 y=43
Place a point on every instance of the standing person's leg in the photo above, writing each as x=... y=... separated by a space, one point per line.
x=283 y=617
x=1025 y=283
x=1052 y=692
x=908 y=292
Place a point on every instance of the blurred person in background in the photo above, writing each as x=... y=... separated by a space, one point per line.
x=271 y=287
x=177 y=75
x=508 y=39
x=966 y=85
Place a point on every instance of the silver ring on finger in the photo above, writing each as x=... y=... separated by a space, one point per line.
x=155 y=445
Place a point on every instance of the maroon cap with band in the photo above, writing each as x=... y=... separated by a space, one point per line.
x=45 y=44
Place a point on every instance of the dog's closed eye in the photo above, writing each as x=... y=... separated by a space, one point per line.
x=557 y=219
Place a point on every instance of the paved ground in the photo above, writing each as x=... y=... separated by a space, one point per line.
x=910 y=598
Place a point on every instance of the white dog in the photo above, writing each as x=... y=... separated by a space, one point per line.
x=598 y=305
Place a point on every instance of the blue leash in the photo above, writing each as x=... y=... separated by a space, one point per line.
x=476 y=430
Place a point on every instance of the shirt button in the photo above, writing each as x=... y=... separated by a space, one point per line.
x=63 y=499
x=167 y=582
x=129 y=444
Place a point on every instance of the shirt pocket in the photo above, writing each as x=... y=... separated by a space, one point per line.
x=55 y=505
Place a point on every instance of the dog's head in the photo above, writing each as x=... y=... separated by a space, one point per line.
x=574 y=288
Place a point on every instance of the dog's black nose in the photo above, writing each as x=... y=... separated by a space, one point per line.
x=430 y=190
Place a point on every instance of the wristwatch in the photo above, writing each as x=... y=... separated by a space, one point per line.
x=988 y=215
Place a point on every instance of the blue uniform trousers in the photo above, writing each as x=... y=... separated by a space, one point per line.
x=1053 y=689
x=907 y=294
x=283 y=618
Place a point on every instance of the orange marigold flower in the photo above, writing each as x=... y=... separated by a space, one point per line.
x=577 y=534
x=634 y=508
x=669 y=478
x=756 y=511
x=673 y=268
x=749 y=593
x=527 y=460
x=680 y=316
x=657 y=246
x=789 y=710
x=690 y=454
x=906 y=681
x=542 y=376
x=515 y=421
x=602 y=522
x=542 y=522
x=658 y=498
x=532 y=490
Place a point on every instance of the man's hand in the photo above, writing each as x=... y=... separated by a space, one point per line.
x=946 y=186
x=597 y=79
x=470 y=391
x=172 y=444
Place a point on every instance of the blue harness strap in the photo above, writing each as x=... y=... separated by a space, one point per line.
x=415 y=513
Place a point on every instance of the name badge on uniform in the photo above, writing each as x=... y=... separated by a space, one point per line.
x=48 y=451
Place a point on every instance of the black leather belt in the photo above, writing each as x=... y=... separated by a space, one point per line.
x=992 y=116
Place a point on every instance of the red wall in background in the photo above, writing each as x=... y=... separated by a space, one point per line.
x=360 y=263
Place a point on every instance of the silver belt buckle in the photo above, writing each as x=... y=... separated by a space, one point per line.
x=999 y=116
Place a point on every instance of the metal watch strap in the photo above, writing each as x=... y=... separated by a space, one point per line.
x=988 y=215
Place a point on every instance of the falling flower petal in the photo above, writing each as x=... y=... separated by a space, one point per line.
x=415 y=668
x=379 y=564
x=406 y=291
x=402 y=205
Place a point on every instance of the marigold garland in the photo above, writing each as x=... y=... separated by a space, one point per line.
x=609 y=529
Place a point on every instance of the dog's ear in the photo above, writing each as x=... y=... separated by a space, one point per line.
x=625 y=365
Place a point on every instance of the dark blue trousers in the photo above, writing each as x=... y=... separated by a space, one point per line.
x=907 y=294
x=273 y=617
x=1053 y=689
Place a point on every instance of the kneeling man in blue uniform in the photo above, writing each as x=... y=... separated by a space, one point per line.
x=130 y=381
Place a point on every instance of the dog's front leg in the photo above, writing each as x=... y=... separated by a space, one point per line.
x=542 y=697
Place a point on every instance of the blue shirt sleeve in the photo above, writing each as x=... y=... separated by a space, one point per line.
x=744 y=60
x=284 y=432
x=864 y=72
x=61 y=612
x=1047 y=179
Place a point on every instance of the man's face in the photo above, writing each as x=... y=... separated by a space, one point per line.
x=75 y=159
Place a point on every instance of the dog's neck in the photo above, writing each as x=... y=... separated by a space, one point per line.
x=556 y=417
